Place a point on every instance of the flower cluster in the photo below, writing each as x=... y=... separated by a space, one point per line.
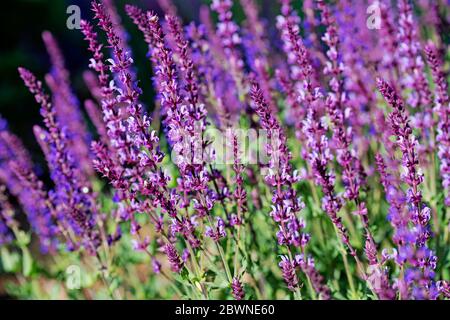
x=347 y=129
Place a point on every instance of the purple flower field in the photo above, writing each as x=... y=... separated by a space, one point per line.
x=303 y=155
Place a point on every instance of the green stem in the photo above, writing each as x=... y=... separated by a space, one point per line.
x=297 y=294
x=236 y=252
x=446 y=225
x=222 y=255
x=312 y=292
x=172 y=283
x=197 y=269
x=346 y=265
x=224 y=262
x=349 y=275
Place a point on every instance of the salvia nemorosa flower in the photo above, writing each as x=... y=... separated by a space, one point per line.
x=254 y=39
x=239 y=194
x=286 y=205
x=420 y=257
x=377 y=276
x=413 y=76
x=73 y=196
x=288 y=270
x=218 y=231
x=120 y=31
x=353 y=174
x=228 y=33
x=407 y=143
x=46 y=219
x=133 y=163
x=7 y=221
x=156 y=265
x=17 y=174
x=317 y=280
x=410 y=60
x=442 y=108
x=397 y=202
x=309 y=87
x=192 y=157
x=176 y=264
x=237 y=289
x=390 y=62
x=297 y=83
x=132 y=157
x=66 y=105
x=184 y=116
x=168 y=7
x=444 y=288
x=319 y=157
x=313 y=129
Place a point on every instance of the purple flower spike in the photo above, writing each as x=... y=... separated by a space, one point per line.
x=73 y=195
x=176 y=264
x=411 y=63
x=286 y=205
x=218 y=231
x=66 y=105
x=442 y=108
x=289 y=275
x=416 y=253
x=7 y=221
x=237 y=289
x=317 y=280
x=156 y=266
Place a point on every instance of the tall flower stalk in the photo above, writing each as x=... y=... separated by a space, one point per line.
x=74 y=198
x=421 y=258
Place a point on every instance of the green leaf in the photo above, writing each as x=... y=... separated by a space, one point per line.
x=10 y=260
x=184 y=274
x=27 y=262
x=23 y=239
x=220 y=282
x=244 y=266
